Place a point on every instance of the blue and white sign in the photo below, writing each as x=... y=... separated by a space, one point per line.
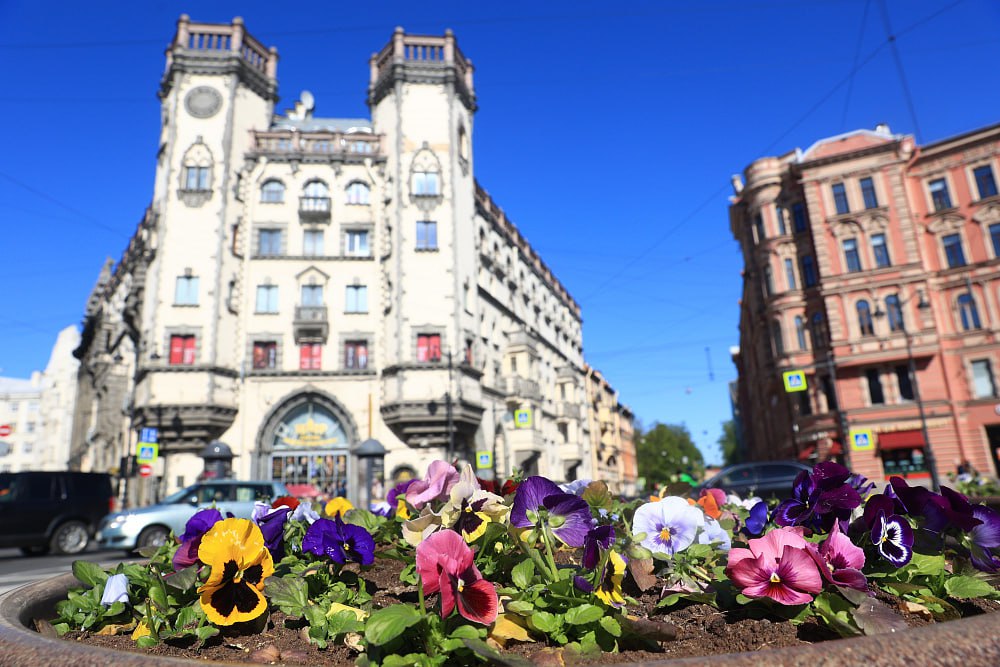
x=149 y=435
x=861 y=439
x=522 y=419
x=794 y=381
x=484 y=460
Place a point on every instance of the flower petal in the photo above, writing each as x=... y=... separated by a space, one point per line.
x=478 y=602
x=530 y=496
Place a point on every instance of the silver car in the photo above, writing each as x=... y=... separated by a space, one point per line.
x=149 y=526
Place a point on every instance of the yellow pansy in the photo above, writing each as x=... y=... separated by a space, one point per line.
x=338 y=505
x=233 y=593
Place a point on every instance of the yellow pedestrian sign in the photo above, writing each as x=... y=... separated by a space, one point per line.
x=861 y=439
x=794 y=381
x=484 y=460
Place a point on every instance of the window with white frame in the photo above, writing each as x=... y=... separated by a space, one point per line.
x=272 y=192
x=312 y=295
x=995 y=238
x=268 y=242
x=940 y=198
x=316 y=197
x=357 y=299
x=983 y=385
x=186 y=291
x=875 y=393
x=779 y=339
x=267 y=299
x=868 y=193
x=356 y=243
x=779 y=214
x=986 y=185
x=808 y=271
x=790 y=273
x=312 y=243
x=894 y=309
x=865 y=324
x=953 y=252
x=880 y=250
x=426 y=235
x=968 y=313
x=356 y=354
x=426 y=184
x=851 y=258
x=840 y=198
x=799 y=221
x=358 y=193
x=196 y=178
x=800 y=333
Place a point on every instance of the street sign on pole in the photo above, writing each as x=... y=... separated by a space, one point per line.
x=5 y=430
x=149 y=435
x=794 y=381
x=146 y=452
x=484 y=460
x=522 y=418
x=145 y=470
x=861 y=439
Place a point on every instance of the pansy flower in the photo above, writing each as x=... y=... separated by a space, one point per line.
x=609 y=586
x=984 y=539
x=444 y=562
x=841 y=561
x=396 y=498
x=271 y=522
x=598 y=539
x=338 y=506
x=436 y=485
x=756 y=519
x=470 y=509
x=538 y=500
x=777 y=566
x=286 y=501
x=670 y=524
x=893 y=537
x=233 y=593
x=199 y=524
x=713 y=533
x=340 y=541
x=819 y=498
x=115 y=590
x=304 y=512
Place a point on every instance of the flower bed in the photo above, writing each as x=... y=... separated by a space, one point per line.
x=455 y=571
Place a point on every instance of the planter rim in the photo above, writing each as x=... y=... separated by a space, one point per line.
x=970 y=642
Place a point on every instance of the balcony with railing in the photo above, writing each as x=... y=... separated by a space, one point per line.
x=310 y=323
x=521 y=388
x=427 y=54
x=317 y=146
x=314 y=209
x=566 y=410
x=219 y=45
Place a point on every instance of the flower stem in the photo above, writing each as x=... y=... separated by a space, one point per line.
x=420 y=595
x=547 y=540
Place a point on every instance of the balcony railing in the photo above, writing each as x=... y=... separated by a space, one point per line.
x=287 y=142
x=516 y=386
x=305 y=314
x=567 y=410
x=314 y=208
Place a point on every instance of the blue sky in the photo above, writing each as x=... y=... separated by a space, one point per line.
x=607 y=131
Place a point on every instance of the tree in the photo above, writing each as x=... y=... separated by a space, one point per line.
x=729 y=444
x=664 y=452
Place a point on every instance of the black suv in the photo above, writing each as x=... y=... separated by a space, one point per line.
x=58 y=511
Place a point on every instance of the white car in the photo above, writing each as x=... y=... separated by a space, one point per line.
x=150 y=526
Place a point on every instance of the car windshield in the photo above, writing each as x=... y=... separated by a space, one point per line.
x=180 y=496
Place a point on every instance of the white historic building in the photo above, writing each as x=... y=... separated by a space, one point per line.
x=301 y=284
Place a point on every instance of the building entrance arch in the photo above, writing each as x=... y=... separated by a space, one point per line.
x=305 y=442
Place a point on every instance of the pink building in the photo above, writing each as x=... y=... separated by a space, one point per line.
x=872 y=265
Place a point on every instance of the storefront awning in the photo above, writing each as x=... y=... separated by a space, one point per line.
x=836 y=449
x=807 y=453
x=901 y=440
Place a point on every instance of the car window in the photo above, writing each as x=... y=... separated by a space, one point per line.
x=215 y=493
x=32 y=488
x=182 y=496
x=736 y=477
x=778 y=471
x=246 y=493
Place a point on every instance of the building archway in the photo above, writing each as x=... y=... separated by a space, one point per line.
x=305 y=442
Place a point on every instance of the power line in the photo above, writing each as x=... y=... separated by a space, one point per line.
x=93 y=221
x=857 y=54
x=891 y=38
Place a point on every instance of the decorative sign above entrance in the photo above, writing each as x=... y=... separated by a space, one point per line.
x=309 y=426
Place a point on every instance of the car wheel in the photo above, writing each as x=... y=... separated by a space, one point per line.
x=39 y=550
x=70 y=538
x=154 y=536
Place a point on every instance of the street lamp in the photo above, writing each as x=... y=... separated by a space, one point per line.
x=931 y=461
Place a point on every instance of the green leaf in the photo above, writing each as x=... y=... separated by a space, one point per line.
x=159 y=597
x=148 y=642
x=585 y=613
x=363 y=518
x=523 y=573
x=184 y=579
x=543 y=621
x=384 y=625
x=206 y=631
x=611 y=626
x=925 y=564
x=522 y=607
x=290 y=594
x=89 y=573
x=465 y=632
x=967 y=587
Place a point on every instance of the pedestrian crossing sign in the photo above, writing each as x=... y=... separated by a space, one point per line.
x=147 y=452
x=861 y=439
x=484 y=460
x=522 y=418
x=794 y=381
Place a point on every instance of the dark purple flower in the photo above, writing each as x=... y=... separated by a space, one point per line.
x=600 y=538
x=893 y=537
x=819 y=498
x=199 y=524
x=984 y=539
x=272 y=525
x=398 y=490
x=861 y=484
x=582 y=584
x=539 y=500
x=754 y=525
x=340 y=541
x=841 y=561
x=950 y=509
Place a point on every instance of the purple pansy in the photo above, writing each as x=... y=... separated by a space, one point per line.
x=757 y=519
x=199 y=524
x=819 y=498
x=340 y=541
x=568 y=516
x=272 y=525
x=893 y=537
x=397 y=491
x=436 y=484
x=597 y=540
x=841 y=561
x=984 y=539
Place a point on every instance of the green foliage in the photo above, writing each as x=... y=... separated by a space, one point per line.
x=387 y=624
x=660 y=454
x=729 y=443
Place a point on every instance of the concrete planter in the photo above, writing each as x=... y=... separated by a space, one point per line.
x=972 y=642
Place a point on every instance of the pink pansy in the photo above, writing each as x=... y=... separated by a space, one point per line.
x=780 y=566
x=841 y=560
x=718 y=494
x=444 y=562
x=436 y=485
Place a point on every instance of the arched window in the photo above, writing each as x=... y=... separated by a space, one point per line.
x=800 y=332
x=865 y=318
x=425 y=178
x=779 y=339
x=196 y=175
x=968 y=312
x=358 y=193
x=272 y=192
x=316 y=197
x=894 y=310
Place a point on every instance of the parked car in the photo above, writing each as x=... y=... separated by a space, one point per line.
x=57 y=511
x=760 y=478
x=151 y=525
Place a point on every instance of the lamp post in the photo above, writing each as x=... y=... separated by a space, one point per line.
x=929 y=458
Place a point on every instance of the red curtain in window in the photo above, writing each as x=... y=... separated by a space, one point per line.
x=182 y=350
x=310 y=355
x=434 y=347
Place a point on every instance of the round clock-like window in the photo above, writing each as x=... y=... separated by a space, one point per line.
x=203 y=102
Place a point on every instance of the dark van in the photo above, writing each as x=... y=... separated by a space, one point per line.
x=57 y=511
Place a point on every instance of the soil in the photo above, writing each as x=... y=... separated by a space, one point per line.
x=702 y=630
